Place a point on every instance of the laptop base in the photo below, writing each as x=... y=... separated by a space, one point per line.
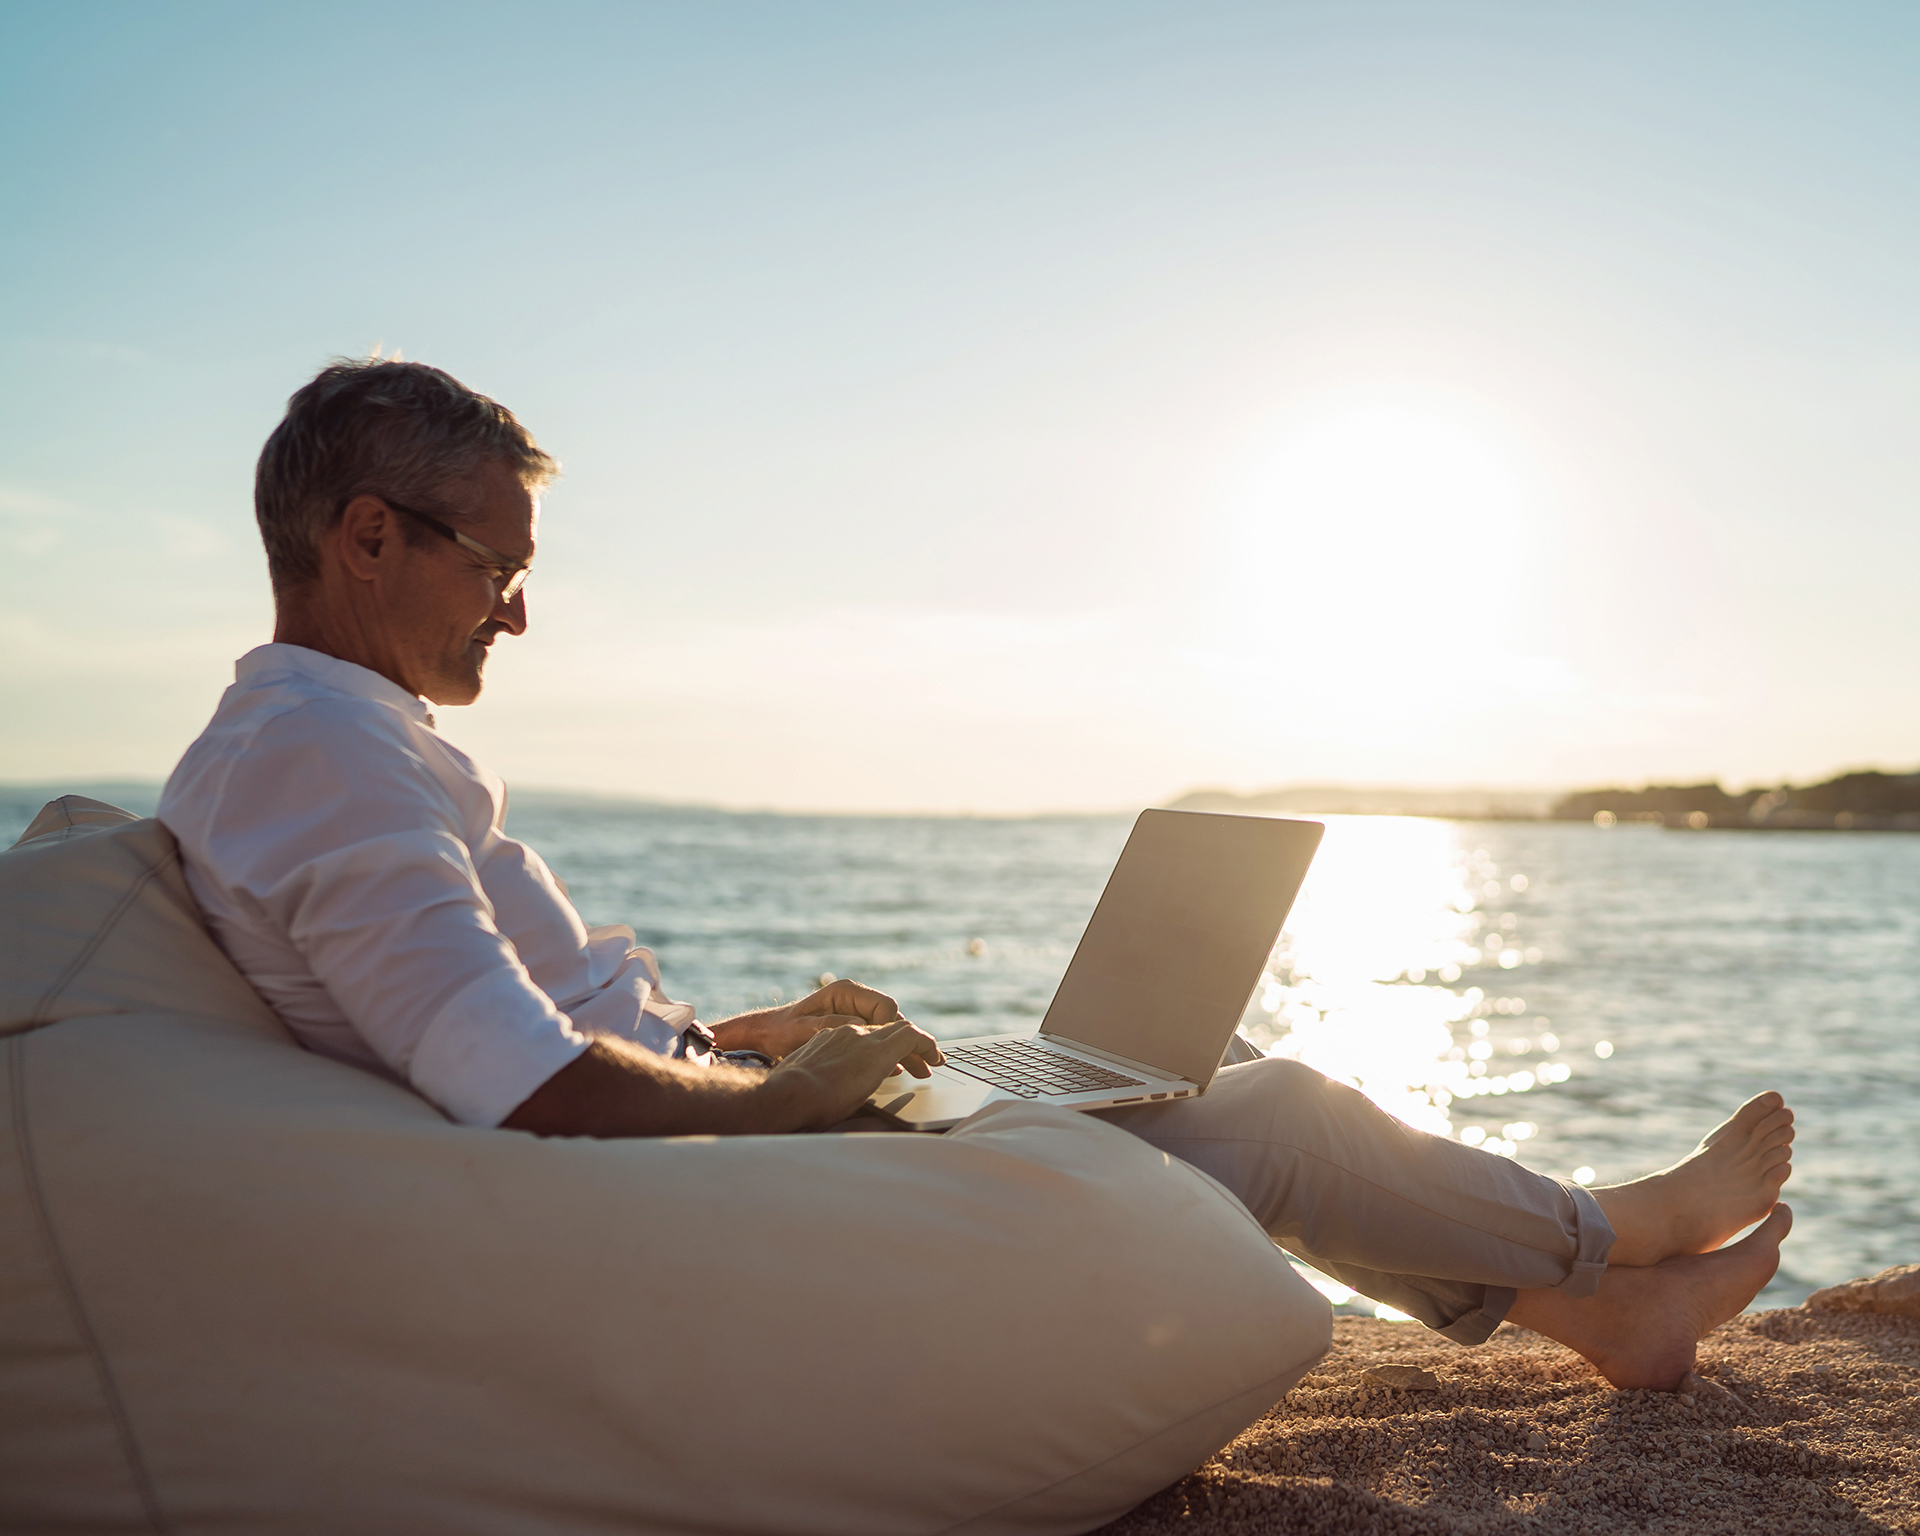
x=943 y=1100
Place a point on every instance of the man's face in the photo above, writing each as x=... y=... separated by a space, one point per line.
x=447 y=611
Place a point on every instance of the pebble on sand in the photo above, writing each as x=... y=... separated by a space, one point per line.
x=1408 y=1378
x=1894 y=1292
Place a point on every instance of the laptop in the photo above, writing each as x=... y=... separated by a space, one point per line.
x=1157 y=988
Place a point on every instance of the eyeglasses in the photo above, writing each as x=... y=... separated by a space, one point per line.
x=510 y=574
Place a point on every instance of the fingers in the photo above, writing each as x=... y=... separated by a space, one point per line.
x=901 y=1029
x=846 y=1060
x=850 y=997
x=831 y=1033
x=878 y=1048
x=909 y=1046
x=877 y=1007
x=926 y=1053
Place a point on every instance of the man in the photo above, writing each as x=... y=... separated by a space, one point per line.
x=352 y=864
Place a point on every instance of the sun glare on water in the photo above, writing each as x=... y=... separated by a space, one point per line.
x=1370 y=982
x=1386 y=979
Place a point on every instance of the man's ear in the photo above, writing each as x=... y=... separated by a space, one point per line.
x=368 y=530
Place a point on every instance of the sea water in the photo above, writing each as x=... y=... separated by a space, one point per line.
x=1587 y=1001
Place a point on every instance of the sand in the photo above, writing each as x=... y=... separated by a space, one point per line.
x=1801 y=1421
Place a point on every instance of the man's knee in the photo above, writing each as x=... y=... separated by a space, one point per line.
x=1277 y=1082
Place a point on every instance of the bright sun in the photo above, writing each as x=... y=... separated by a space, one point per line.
x=1370 y=535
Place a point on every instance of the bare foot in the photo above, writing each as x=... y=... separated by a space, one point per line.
x=1731 y=1179
x=1641 y=1326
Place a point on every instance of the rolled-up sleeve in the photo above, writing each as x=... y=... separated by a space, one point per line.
x=357 y=853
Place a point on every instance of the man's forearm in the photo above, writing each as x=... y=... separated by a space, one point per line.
x=614 y=1089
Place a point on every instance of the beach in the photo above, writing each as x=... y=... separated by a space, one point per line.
x=1801 y=1421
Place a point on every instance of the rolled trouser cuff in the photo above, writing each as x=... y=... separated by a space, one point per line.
x=1477 y=1325
x=1593 y=1242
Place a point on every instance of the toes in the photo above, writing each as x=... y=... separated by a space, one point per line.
x=1747 y=1116
x=1760 y=1104
x=1769 y=1233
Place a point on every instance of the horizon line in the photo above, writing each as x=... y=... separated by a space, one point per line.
x=640 y=798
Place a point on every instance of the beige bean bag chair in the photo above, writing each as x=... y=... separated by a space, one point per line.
x=247 y=1289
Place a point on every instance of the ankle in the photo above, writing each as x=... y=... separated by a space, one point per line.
x=1642 y=1227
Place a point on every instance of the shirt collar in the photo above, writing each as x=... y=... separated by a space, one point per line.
x=330 y=672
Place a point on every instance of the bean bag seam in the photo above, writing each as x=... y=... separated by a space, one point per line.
x=56 y=1262
x=37 y=1019
x=52 y=834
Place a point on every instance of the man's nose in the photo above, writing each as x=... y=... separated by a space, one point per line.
x=510 y=613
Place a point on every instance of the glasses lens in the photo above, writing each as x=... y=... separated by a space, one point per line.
x=514 y=583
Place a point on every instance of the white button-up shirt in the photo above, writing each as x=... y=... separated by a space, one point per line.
x=351 y=864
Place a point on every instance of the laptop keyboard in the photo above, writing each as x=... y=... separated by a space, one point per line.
x=1026 y=1069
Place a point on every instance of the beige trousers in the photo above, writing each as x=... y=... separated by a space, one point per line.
x=1444 y=1232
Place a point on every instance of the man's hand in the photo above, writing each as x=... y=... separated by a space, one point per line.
x=617 y=1089
x=777 y=1032
x=830 y=1076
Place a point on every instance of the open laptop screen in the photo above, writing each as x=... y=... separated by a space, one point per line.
x=1180 y=937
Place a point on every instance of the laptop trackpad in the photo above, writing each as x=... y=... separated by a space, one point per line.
x=932 y=1102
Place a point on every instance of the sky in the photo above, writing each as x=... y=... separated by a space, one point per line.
x=1005 y=407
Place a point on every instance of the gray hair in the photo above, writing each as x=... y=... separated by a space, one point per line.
x=380 y=427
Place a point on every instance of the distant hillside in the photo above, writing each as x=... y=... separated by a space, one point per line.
x=1470 y=804
x=1867 y=801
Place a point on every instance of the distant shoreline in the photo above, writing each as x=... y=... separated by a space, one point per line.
x=1860 y=801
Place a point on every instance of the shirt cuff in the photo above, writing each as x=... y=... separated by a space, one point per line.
x=496 y=1041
